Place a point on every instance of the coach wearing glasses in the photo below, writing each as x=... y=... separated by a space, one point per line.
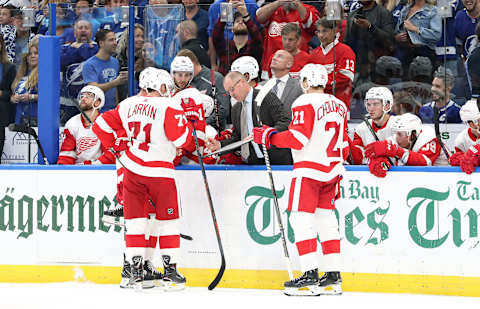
x=252 y=108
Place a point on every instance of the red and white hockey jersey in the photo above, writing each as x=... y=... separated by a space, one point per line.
x=156 y=127
x=363 y=136
x=274 y=25
x=425 y=151
x=317 y=135
x=81 y=145
x=344 y=67
x=465 y=140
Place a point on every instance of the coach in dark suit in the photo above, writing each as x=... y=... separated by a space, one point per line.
x=7 y=109
x=246 y=115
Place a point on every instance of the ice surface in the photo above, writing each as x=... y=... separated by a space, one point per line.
x=73 y=295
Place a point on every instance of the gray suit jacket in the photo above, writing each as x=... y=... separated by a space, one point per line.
x=291 y=92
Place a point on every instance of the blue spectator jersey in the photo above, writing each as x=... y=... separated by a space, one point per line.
x=25 y=109
x=465 y=31
x=214 y=14
x=100 y=71
x=161 y=33
x=447 y=44
x=450 y=113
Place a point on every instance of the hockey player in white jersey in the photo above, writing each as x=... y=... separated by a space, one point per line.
x=156 y=126
x=79 y=144
x=318 y=138
x=467 y=143
x=412 y=144
x=378 y=103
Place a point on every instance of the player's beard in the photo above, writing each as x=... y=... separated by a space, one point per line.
x=438 y=96
x=85 y=107
x=242 y=31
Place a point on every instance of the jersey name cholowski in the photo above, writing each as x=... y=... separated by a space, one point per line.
x=331 y=107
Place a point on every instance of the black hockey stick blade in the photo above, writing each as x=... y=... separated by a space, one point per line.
x=219 y=275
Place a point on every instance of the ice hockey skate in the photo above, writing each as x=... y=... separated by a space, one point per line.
x=152 y=277
x=305 y=285
x=126 y=274
x=112 y=216
x=137 y=273
x=330 y=283
x=172 y=279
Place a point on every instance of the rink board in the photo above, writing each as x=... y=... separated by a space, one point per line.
x=416 y=231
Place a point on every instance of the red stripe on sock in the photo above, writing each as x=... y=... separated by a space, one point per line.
x=331 y=246
x=306 y=246
x=152 y=242
x=137 y=241
x=169 y=242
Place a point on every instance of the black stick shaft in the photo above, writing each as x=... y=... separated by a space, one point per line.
x=212 y=211
x=369 y=126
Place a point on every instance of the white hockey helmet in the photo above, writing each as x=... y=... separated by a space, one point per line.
x=380 y=93
x=407 y=123
x=167 y=80
x=315 y=75
x=181 y=64
x=469 y=111
x=97 y=92
x=246 y=64
x=207 y=103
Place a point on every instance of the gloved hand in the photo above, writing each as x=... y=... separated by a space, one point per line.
x=192 y=110
x=379 y=166
x=473 y=151
x=383 y=149
x=467 y=164
x=121 y=144
x=225 y=134
x=263 y=135
x=90 y=162
x=455 y=158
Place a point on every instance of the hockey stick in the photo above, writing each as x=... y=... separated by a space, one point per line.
x=121 y=224
x=230 y=146
x=437 y=131
x=30 y=131
x=212 y=211
x=369 y=126
x=215 y=101
x=277 y=211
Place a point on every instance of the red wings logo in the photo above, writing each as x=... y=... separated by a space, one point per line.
x=86 y=143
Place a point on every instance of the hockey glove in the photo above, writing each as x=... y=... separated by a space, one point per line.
x=379 y=167
x=263 y=135
x=455 y=158
x=225 y=134
x=192 y=110
x=90 y=162
x=383 y=149
x=467 y=164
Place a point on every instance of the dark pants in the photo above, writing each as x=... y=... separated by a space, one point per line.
x=2 y=142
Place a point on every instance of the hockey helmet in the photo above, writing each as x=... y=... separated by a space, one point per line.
x=469 y=111
x=388 y=66
x=152 y=78
x=420 y=66
x=407 y=123
x=315 y=75
x=246 y=64
x=97 y=92
x=207 y=103
x=181 y=64
x=380 y=93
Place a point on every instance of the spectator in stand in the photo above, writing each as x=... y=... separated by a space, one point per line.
x=79 y=144
x=340 y=64
x=411 y=144
x=84 y=11
x=7 y=30
x=275 y=16
x=465 y=24
x=202 y=80
x=249 y=67
x=285 y=87
x=65 y=18
x=213 y=16
x=7 y=75
x=102 y=70
x=378 y=103
x=23 y=35
x=448 y=111
x=140 y=62
x=246 y=115
x=370 y=33
x=418 y=30
x=473 y=70
x=187 y=35
x=291 y=34
x=112 y=17
x=200 y=17
x=72 y=57
x=25 y=88
x=241 y=44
